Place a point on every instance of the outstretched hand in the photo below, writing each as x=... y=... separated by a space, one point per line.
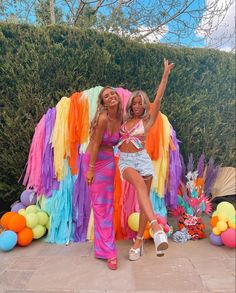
x=168 y=66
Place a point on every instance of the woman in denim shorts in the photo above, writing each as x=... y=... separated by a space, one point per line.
x=135 y=164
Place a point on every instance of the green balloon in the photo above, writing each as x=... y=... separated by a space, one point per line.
x=42 y=218
x=38 y=231
x=31 y=220
x=32 y=209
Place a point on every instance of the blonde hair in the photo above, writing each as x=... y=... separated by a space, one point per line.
x=145 y=104
x=101 y=108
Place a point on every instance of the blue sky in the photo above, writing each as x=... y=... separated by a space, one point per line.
x=193 y=38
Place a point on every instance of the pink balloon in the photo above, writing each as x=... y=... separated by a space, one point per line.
x=162 y=220
x=229 y=237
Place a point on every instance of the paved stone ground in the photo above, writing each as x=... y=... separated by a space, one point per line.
x=195 y=266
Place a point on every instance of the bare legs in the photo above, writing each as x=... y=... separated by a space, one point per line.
x=146 y=211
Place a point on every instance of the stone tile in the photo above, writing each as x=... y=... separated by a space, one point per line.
x=14 y=279
x=27 y=263
x=166 y=281
x=81 y=273
x=219 y=282
x=213 y=265
x=38 y=291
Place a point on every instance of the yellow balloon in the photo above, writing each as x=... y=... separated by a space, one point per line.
x=42 y=218
x=22 y=212
x=222 y=217
x=221 y=226
x=151 y=232
x=133 y=221
x=38 y=231
x=216 y=231
x=227 y=208
x=31 y=220
x=232 y=223
x=32 y=209
x=214 y=214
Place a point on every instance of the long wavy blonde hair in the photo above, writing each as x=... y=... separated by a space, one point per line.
x=145 y=104
x=101 y=108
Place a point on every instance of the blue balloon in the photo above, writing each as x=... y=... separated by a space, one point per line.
x=8 y=240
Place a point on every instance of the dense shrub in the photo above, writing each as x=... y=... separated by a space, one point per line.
x=40 y=65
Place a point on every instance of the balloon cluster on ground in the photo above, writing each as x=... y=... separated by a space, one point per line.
x=23 y=225
x=133 y=223
x=223 y=223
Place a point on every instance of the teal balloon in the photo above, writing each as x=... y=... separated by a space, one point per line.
x=8 y=240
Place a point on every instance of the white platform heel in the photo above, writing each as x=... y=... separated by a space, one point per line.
x=160 y=240
x=135 y=254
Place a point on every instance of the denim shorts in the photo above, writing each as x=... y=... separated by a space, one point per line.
x=140 y=161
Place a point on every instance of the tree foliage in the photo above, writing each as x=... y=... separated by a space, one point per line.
x=40 y=65
x=173 y=21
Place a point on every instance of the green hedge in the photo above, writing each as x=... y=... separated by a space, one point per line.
x=39 y=65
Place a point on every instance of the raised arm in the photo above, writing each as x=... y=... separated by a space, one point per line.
x=160 y=92
x=96 y=142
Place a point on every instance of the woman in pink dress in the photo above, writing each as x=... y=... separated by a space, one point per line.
x=100 y=172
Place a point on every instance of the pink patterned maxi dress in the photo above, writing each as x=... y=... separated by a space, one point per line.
x=101 y=193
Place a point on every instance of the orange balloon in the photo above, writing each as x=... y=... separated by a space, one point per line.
x=146 y=234
x=6 y=218
x=17 y=223
x=25 y=237
x=214 y=221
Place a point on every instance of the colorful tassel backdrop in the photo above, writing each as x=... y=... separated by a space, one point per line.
x=54 y=169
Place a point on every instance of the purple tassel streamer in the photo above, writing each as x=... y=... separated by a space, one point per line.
x=49 y=181
x=201 y=165
x=81 y=204
x=175 y=170
x=183 y=177
x=190 y=163
x=211 y=175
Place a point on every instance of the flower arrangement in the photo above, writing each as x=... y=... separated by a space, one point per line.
x=193 y=198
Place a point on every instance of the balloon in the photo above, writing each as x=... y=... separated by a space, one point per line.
x=133 y=221
x=214 y=214
x=232 y=222
x=17 y=223
x=216 y=239
x=227 y=208
x=222 y=217
x=38 y=231
x=229 y=238
x=32 y=209
x=151 y=232
x=31 y=220
x=5 y=219
x=146 y=234
x=166 y=228
x=221 y=226
x=162 y=220
x=214 y=221
x=25 y=237
x=22 y=212
x=28 y=197
x=216 y=231
x=8 y=240
x=17 y=206
x=42 y=218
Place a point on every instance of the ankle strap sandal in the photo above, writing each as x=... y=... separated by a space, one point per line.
x=136 y=253
x=160 y=240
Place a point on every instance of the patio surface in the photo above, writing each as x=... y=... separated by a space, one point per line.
x=195 y=266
